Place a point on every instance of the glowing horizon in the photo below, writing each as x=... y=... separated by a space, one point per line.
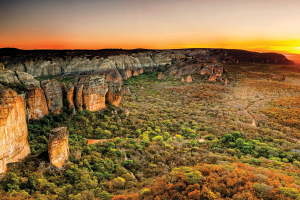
x=261 y=26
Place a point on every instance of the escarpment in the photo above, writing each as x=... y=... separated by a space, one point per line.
x=98 y=78
x=13 y=129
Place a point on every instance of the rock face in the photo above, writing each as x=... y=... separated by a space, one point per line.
x=58 y=147
x=127 y=74
x=93 y=93
x=69 y=94
x=114 y=82
x=78 y=97
x=36 y=103
x=54 y=96
x=13 y=129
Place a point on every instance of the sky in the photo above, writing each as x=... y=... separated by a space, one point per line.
x=255 y=25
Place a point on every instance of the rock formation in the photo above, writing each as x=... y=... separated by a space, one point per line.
x=161 y=76
x=114 y=82
x=182 y=80
x=278 y=78
x=36 y=105
x=93 y=92
x=189 y=79
x=135 y=73
x=69 y=94
x=13 y=129
x=78 y=97
x=127 y=74
x=58 y=147
x=54 y=96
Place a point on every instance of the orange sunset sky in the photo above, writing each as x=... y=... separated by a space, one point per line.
x=255 y=25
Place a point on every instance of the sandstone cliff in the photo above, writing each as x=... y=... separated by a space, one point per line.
x=114 y=82
x=93 y=92
x=54 y=96
x=69 y=94
x=58 y=147
x=13 y=128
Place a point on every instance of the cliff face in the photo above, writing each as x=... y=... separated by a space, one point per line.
x=114 y=82
x=93 y=92
x=58 y=147
x=69 y=93
x=39 y=66
x=54 y=96
x=36 y=103
x=13 y=128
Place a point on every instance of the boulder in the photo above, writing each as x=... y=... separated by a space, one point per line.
x=93 y=93
x=182 y=80
x=13 y=128
x=58 y=147
x=54 y=96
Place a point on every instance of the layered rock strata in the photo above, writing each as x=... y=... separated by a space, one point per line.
x=13 y=129
x=58 y=147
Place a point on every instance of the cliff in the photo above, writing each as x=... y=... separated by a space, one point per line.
x=94 y=89
x=13 y=128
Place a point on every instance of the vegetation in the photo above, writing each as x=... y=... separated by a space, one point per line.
x=180 y=141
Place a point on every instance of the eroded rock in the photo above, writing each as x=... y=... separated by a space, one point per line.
x=189 y=79
x=69 y=94
x=13 y=128
x=58 y=147
x=54 y=96
x=93 y=93
x=114 y=82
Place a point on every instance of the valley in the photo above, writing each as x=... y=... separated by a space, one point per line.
x=198 y=123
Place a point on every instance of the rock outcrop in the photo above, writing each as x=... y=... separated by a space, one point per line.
x=69 y=94
x=127 y=74
x=93 y=92
x=278 y=78
x=13 y=129
x=36 y=105
x=54 y=96
x=114 y=82
x=161 y=76
x=78 y=97
x=189 y=79
x=58 y=147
